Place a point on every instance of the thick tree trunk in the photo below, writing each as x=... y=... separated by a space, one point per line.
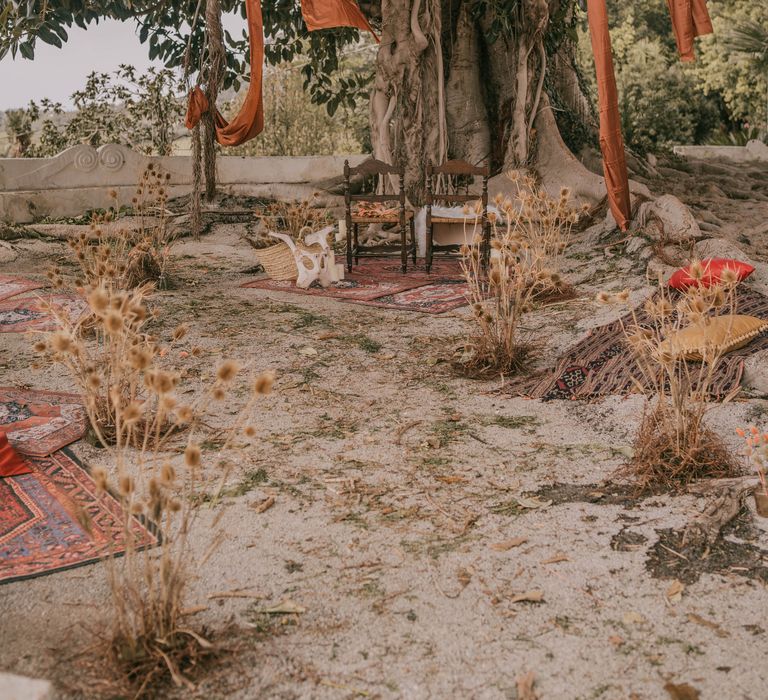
x=451 y=82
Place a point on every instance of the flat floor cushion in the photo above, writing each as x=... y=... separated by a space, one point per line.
x=721 y=335
x=712 y=268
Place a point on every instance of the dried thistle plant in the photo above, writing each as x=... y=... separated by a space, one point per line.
x=499 y=297
x=156 y=450
x=116 y=257
x=297 y=218
x=120 y=367
x=542 y=226
x=673 y=445
x=149 y=641
x=756 y=453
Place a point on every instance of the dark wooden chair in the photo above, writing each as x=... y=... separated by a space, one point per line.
x=377 y=178
x=457 y=176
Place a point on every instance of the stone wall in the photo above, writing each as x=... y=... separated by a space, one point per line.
x=753 y=151
x=81 y=178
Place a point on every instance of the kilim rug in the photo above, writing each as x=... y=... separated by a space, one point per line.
x=11 y=286
x=32 y=314
x=53 y=519
x=436 y=298
x=354 y=287
x=602 y=363
x=380 y=282
x=41 y=422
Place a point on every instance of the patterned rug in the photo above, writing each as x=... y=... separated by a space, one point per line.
x=602 y=363
x=31 y=313
x=53 y=519
x=41 y=422
x=11 y=286
x=355 y=287
x=379 y=282
x=436 y=298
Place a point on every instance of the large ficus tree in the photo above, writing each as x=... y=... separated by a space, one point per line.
x=469 y=79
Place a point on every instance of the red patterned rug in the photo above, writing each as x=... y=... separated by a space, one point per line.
x=32 y=314
x=53 y=519
x=436 y=298
x=41 y=422
x=361 y=288
x=11 y=286
x=379 y=282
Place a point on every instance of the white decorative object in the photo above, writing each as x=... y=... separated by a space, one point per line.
x=315 y=259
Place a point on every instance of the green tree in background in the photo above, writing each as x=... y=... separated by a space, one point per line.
x=665 y=102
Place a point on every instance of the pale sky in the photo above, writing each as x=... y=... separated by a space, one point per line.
x=57 y=73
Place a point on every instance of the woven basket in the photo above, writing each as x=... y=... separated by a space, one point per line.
x=278 y=262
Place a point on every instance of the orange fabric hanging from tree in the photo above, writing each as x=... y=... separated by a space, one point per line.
x=249 y=121
x=690 y=18
x=611 y=141
x=325 y=14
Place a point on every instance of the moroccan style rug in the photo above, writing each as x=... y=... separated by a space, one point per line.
x=380 y=282
x=603 y=364
x=40 y=422
x=354 y=287
x=32 y=314
x=53 y=519
x=11 y=286
x=436 y=298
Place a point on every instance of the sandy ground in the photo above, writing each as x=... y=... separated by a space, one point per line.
x=398 y=489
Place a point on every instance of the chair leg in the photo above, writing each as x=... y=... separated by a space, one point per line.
x=403 y=248
x=349 y=246
x=413 y=241
x=428 y=259
x=356 y=230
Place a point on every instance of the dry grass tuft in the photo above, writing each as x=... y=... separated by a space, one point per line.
x=296 y=218
x=662 y=460
x=163 y=452
x=673 y=445
x=528 y=239
x=124 y=258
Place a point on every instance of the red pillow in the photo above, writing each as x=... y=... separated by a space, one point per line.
x=713 y=268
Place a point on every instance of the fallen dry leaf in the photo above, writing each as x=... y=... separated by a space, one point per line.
x=327 y=335
x=506 y=545
x=452 y=479
x=675 y=591
x=616 y=640
x=524 y=683
x=633 y=618
x=555 y=559
x=287 y=607
x=699 y=620
x=308 y=351
x=534 y=596
x=683 y=691
x=266 y=504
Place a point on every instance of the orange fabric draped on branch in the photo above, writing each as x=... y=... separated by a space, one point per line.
x=325 y=14
x=690 y=18
x=611 y=141
x=249 y=121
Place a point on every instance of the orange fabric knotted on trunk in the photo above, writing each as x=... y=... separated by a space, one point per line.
x=325 y=14
x=249 y=121
x=611 y=141
x=11 y=463
x=690 y=18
